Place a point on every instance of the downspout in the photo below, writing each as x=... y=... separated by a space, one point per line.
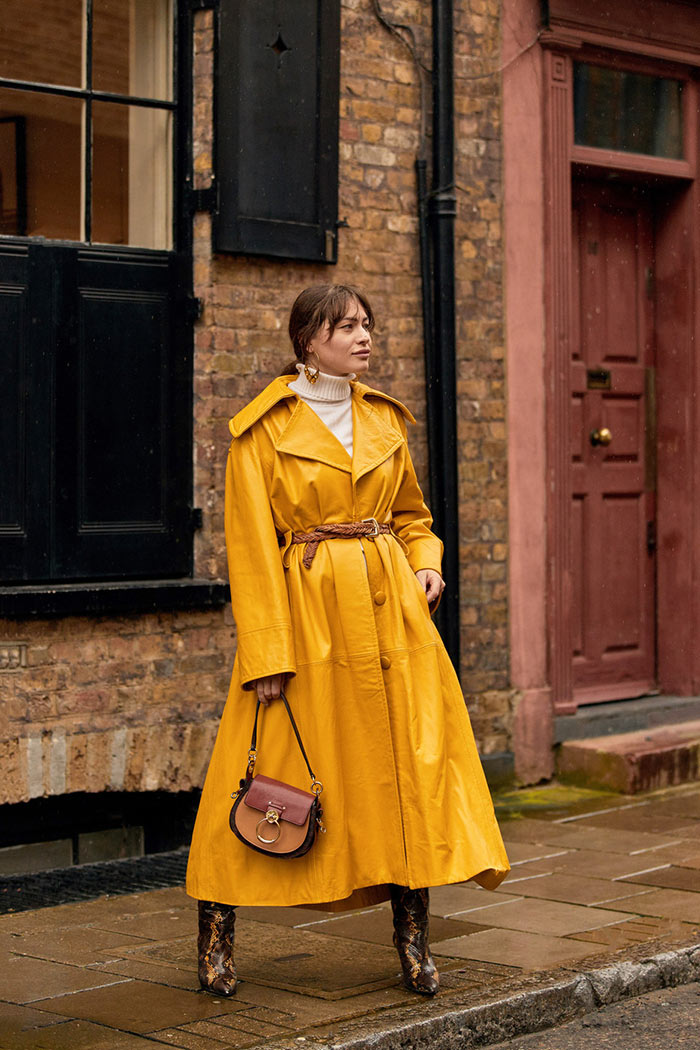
x=440 y=350
x=437 y=210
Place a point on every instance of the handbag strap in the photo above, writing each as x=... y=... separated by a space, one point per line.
x=252 y=754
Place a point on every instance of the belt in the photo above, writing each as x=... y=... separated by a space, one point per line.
x=369 y=527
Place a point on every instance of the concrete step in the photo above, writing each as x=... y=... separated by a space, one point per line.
x=626 y=716
x=634 y=762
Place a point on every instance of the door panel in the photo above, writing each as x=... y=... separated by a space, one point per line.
x=612 y=485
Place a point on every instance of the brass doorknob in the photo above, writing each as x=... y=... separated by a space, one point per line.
x=601 y=436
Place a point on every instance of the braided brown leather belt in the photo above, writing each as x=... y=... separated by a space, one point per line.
x=369 y=527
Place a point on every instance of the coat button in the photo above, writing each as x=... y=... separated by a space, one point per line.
x=385 y=662
x=379 y=598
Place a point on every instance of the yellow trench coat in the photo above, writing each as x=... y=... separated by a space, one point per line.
x=378 y=704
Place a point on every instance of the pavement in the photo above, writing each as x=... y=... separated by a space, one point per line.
x=603 y=904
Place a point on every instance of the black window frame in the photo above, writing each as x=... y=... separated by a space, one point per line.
x=88 y=95
x=41 y=594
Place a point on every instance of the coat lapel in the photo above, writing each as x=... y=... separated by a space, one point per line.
x=308 y=437
x=374 y=439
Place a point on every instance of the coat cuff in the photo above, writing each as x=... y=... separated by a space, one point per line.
x=425 y=554
x=267 y=651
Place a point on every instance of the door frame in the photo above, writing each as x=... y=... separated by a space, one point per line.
x=678 y=444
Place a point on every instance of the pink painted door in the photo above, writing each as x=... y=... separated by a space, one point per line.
x=612 y=444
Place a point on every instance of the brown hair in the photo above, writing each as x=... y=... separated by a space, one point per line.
x=316 y=305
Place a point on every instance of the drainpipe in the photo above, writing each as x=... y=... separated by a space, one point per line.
x=441 y=343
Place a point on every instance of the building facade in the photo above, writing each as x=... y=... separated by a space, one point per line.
x=141 y=312
x=172 y=175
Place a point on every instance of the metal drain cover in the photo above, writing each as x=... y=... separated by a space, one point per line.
x=88 y=881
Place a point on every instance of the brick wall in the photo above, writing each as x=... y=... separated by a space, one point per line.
x=133 y=702
x=105 y=703
x=481 y=373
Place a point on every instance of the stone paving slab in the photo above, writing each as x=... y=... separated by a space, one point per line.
x=525 y=852
x=69 y=945
x=376 y=927
x=138 y=1006
x=671 y=878
x=532 y=915
x=575 y=889
x=448 y=901
x=668 y=904
x=529 y=951
x=79 y=1035
x=119 y=973
x=26 y=980
x=594 y=864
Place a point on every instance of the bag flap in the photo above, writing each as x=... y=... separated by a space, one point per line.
x=291 y=803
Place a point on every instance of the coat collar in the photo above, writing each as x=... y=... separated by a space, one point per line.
x=365 y=392
x=306 y=436
x=274 y=392
x=374 y=438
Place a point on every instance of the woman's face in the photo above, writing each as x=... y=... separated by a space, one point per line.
x=347 y=348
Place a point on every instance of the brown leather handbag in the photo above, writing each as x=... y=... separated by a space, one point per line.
x=272 y=817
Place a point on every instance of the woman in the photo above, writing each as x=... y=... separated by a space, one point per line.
x=343 y=624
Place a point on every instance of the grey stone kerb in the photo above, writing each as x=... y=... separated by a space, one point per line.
x=531 y=1010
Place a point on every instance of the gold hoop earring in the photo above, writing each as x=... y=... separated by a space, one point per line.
x=311 y=374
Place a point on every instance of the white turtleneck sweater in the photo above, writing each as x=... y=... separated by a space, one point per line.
x=331 y=399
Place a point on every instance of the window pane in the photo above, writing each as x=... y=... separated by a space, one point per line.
x=42 y=40
x=631 y=112
x=132 y=47
x=52 y=179
x=131 y=175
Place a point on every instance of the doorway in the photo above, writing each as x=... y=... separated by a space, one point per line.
x=612 y=543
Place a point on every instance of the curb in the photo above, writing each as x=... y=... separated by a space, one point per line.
x=533 y=1010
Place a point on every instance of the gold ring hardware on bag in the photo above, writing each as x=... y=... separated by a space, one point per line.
x=272 y=819
x=375 y=523
x=252 y=759
x=316 y=787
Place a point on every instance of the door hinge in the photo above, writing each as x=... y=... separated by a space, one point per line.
x=204 y=5
x=205 y=199
x=193 y=309
x=651 y=537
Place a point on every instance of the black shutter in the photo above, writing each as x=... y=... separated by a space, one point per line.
x=123 y=407
x=95 y=414
x=27 y=312
x=277 y=88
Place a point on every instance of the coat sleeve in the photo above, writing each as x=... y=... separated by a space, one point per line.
x=258 y=589
x=410 y=518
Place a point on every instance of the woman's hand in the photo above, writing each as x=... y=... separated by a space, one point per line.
x=432 y=583
x=269 y=688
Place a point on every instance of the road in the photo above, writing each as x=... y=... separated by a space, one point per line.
x=665 y=1020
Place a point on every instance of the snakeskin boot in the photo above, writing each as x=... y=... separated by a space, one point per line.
x=410 y=909
x=217 y=970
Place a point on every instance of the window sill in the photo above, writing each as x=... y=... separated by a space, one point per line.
x=114 y=597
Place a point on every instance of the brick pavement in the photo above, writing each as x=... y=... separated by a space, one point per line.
x=587 y=887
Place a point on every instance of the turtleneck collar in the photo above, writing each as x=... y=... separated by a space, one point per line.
x=326 y=388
